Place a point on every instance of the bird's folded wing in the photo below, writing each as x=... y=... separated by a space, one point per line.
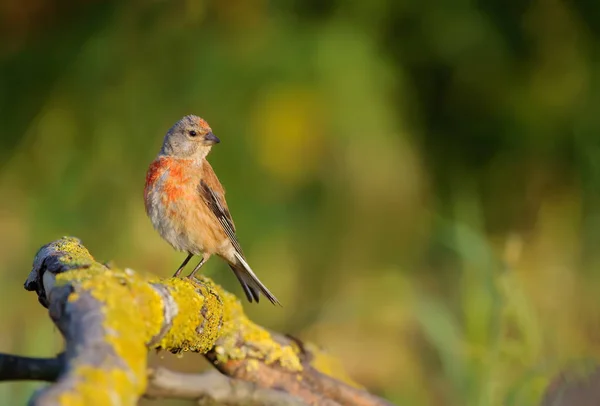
x=221 y=212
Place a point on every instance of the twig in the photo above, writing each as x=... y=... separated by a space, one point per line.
x=212 y=387
x=17 y=368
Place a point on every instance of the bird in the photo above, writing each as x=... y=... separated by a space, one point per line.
x=186 y=204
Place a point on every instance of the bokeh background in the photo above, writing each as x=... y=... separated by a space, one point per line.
x=417 y=181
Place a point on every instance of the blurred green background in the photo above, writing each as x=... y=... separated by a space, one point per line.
x=417 y=181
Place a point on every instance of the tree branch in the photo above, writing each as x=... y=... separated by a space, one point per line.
x=206 y=388
x=212 y=387
x=17 y=368
x=111 y=317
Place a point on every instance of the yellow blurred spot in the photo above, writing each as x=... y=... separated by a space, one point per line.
x=195 y=10
x=288 y=133
x=241 y=13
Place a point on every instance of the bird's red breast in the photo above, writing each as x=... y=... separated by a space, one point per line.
x=174 y=204
x=172 y=178
x=155 y=170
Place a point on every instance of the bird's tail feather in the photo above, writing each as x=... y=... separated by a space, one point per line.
x=250 y=283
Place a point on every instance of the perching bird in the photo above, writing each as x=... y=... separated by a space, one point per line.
x=186 y=203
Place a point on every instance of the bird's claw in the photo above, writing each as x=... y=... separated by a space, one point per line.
x=192 y=277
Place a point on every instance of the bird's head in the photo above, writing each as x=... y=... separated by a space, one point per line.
x=190 y=137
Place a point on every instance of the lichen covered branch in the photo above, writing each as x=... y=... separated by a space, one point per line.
x=208 y=388
x=110 y=318
x=314 y=376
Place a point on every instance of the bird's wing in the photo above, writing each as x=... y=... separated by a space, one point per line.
x=217 y=205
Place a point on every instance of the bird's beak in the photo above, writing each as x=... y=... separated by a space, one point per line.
x=211 y=139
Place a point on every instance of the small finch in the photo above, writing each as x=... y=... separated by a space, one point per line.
x=186 y=203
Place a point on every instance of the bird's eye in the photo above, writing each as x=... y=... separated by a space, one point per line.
x=192 y=133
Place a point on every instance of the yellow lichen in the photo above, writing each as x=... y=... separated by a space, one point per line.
x=195 y=327
x=133 y=316
x=129 y=326
x=74 y=252
x=116 y=388
x=252 y=365
x=258 y=342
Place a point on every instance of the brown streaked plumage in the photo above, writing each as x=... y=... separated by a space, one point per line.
x=186 y=203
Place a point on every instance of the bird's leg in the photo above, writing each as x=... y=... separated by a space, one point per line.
x=197 y=268
x=185 y=261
